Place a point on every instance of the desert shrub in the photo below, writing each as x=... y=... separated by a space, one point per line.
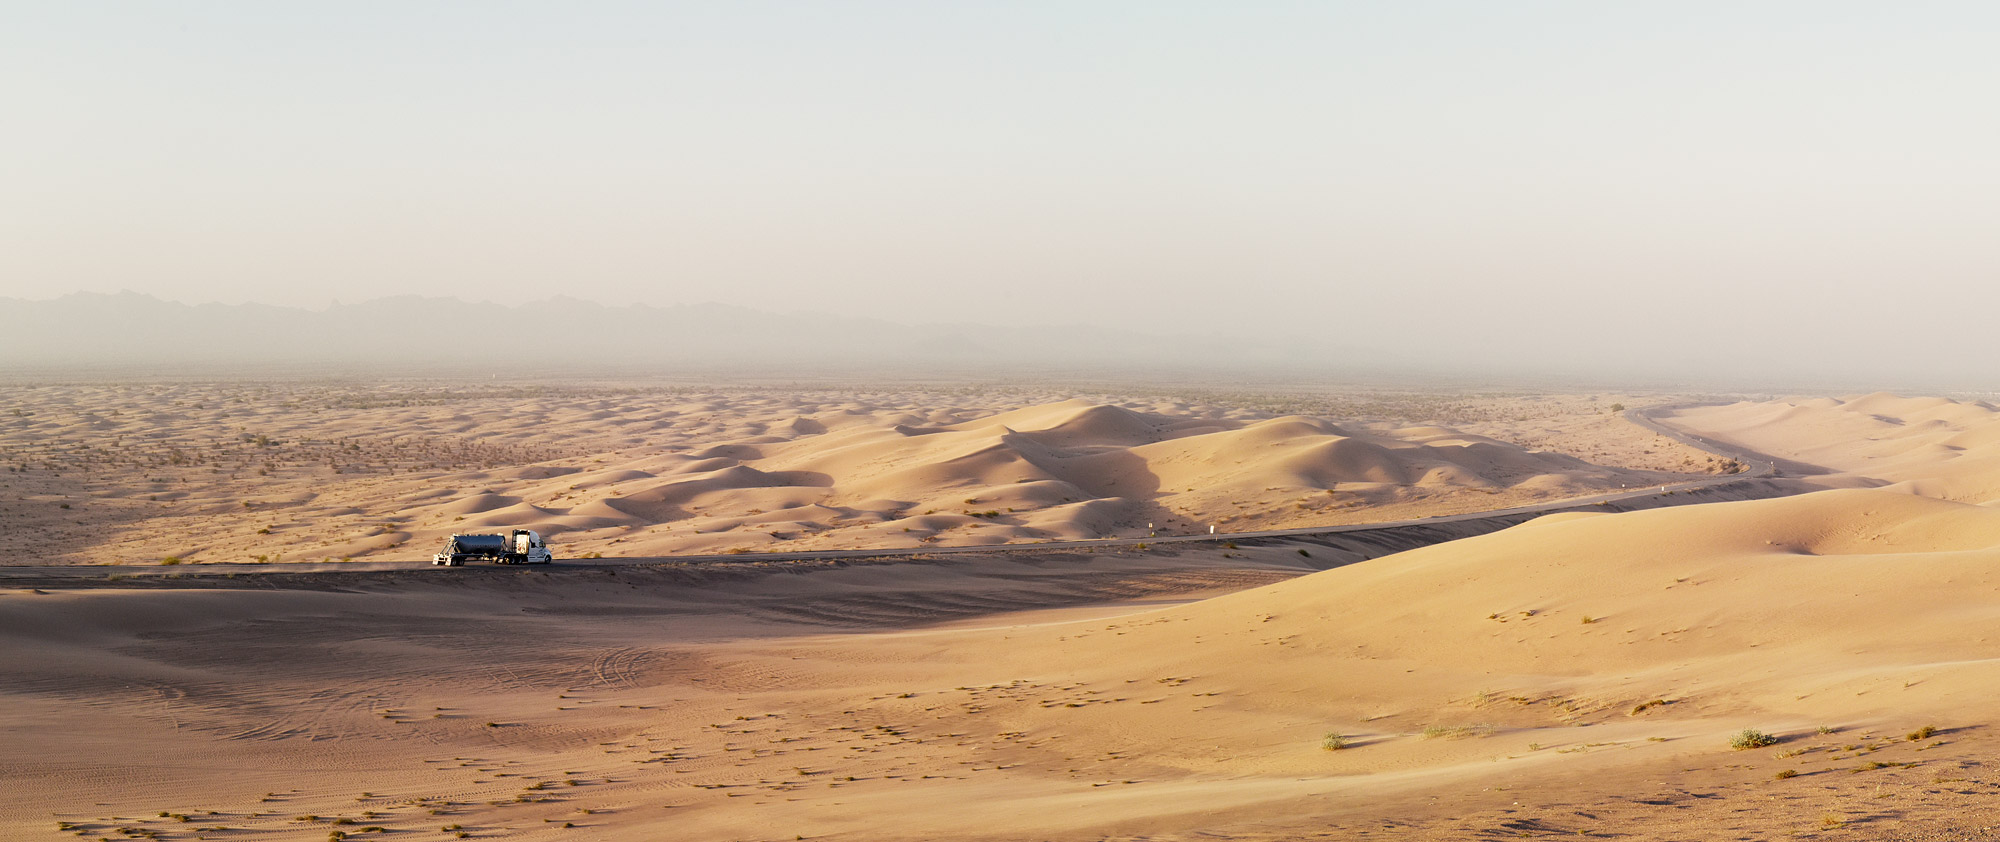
x=1923 y=733
x=1333 y=741
x=1751 y=738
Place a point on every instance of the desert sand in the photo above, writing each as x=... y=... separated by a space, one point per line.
x=1935 y=447
x=1582 y=674
x=220 y=473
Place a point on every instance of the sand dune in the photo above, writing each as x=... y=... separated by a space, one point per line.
x=1582 y=674
x=221 y=473
x=1930 y=446
x=1593 y=666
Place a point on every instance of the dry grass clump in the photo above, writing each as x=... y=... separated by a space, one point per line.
x=1751 y=738
x=1456 y=732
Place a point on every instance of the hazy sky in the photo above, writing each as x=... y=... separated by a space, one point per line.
x=1467 y=174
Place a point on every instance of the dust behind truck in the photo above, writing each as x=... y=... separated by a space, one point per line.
x=522 y=546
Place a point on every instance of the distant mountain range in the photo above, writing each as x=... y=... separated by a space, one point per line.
x=130 y=332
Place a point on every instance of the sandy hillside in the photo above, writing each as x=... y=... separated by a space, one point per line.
x=1931 y=446
x=1579 y=674
x=202 y=473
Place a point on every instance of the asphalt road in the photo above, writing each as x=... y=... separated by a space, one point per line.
x=1758 y=465
x=1428 y=529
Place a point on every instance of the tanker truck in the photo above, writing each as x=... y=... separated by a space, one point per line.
x=521 y=546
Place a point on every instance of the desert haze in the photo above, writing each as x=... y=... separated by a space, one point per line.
x=226 y=625
x=1024 y=422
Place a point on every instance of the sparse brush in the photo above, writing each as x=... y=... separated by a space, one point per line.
x=1456 y=732
x=1751 y=738
x=1923 y=733
x=1333 y=741
x=1788 y=773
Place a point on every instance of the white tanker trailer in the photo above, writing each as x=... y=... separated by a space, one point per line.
x=521 y=546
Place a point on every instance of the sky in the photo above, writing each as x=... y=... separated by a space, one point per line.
x=1803 y=179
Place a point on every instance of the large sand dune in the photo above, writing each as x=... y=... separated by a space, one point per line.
x=1591 y=667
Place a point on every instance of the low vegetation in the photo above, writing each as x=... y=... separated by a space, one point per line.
x=1751 y=738
x=1456 y=732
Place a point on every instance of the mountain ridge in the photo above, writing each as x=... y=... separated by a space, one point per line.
x=86 y=331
